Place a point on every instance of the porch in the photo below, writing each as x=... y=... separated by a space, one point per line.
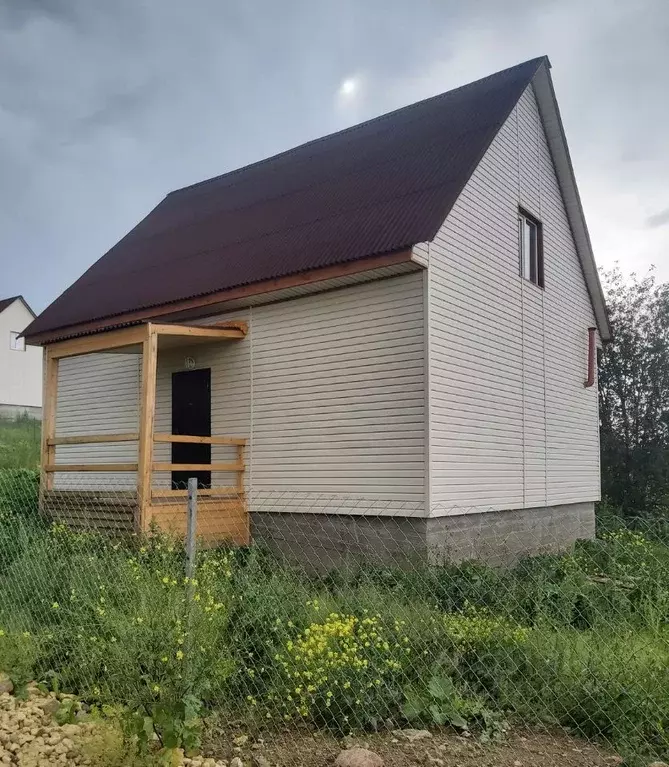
x=158 y=495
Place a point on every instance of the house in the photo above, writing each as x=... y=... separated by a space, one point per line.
x=379 y=341
x=20 y=365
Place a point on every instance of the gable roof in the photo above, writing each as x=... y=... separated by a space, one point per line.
x=5 y=303
x=378 y=187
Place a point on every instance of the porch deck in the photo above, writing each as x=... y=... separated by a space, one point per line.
x=222 y=510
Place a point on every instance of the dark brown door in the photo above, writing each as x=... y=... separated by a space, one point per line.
x=191 y=414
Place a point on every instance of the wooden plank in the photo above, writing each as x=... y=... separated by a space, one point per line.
x=50 y=468
x=91 y=498
x=198 y=331
x=198 y=466
x=147 y=413
x=199 y=440
x=208 y=491
x=217 y=520
x=94 y=438
x=93 y=511
x=240 y=473
x=49 y=405
x=238 y=324
x=85 y=514
x=99 y=342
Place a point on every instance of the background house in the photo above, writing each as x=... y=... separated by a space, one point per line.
x=380 y=340
x=20 y=365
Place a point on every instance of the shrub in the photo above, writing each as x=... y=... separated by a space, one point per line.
x=475 y=630
x=346 y=671
x=19 y=492
x=18 y=656
x=578 y=638
x=117 y=624
x=19 y=442
x=613 y=687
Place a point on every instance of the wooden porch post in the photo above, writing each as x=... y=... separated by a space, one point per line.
x=147 y=408
x=49 y=403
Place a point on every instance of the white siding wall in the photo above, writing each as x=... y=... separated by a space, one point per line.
x=97 y=394
x=20 y=371
x=339 y=401
x=511 y=425
x=329 y=389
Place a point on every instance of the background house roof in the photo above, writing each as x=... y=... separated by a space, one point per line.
x=7 y=302
x=378 y=187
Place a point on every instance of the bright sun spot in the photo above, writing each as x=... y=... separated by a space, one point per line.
x=348 y=87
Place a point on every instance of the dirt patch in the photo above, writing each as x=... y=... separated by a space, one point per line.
x=521 y=748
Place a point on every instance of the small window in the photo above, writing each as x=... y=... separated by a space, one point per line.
x=530 y=239
x=16 y=342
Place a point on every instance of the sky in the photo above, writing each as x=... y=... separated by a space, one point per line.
x=106 y=105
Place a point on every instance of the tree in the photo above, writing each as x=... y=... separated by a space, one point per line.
x=634 y=395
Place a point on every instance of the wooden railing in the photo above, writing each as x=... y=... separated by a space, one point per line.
x=87 y=439
x=238 y=466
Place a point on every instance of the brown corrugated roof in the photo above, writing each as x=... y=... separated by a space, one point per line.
x=378 y=187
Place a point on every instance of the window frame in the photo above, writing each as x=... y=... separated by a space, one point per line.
x=535 y=263
x=15 y=338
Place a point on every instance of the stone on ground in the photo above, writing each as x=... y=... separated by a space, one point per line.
x=6 y=684
x=358 y=757
x=412 y=735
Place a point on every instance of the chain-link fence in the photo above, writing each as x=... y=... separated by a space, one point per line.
x=339 y=619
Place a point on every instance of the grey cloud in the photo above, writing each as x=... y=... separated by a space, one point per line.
x=17 y=13
x=658 y=219
x=124 y=107
x=107 y=105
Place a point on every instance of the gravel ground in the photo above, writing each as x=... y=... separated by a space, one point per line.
x=31 y=737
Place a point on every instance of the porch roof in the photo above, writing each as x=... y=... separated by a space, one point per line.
x=130 y=339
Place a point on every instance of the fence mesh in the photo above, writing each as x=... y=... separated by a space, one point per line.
x=340 y=624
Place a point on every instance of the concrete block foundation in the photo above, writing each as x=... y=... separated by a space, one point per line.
x=505 y=537
x=325 y=541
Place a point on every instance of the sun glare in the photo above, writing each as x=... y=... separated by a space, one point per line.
x=348 y=87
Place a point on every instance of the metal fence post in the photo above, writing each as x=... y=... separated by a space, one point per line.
x=191 y=551
x=191 y=529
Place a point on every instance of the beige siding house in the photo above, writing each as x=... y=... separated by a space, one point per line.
x=20 y=365
x=420 y=377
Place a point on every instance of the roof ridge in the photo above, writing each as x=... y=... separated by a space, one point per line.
x=357 y=126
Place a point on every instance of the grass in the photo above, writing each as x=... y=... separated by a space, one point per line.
x=19 y=442
x=580 y=640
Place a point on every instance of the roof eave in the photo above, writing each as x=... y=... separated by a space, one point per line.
x=557 y=142
x=322 y=274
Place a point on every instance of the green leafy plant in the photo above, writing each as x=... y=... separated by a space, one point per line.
x=442 y=703
x=18 y=655
x=439 y=702
x=176 y=724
